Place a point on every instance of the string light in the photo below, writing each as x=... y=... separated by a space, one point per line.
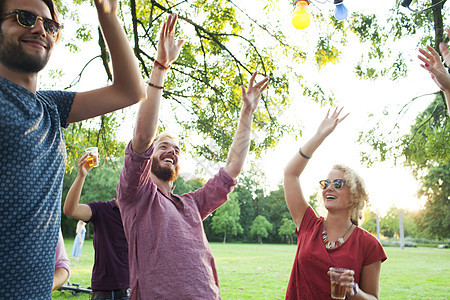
x=301 y=16
x=340 y=12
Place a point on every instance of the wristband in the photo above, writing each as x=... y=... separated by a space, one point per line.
x=303 y=154
x=155 y=86
x=355 y=289
x=160 y=66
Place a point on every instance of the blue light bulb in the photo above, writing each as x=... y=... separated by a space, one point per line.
x=341 y=12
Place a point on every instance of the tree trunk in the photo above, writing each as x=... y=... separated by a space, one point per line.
x=224 y=237
x=438 y=24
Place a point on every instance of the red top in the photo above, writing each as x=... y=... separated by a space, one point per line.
x=309 y=279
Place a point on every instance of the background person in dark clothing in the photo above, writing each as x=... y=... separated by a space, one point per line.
x=110 y=275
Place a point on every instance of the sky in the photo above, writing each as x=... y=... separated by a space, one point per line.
x=387 y=184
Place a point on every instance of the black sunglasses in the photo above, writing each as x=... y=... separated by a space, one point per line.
x=28 y=19
x=338 y=183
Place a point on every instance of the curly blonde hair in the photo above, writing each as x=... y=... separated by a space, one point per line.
x=359 y=196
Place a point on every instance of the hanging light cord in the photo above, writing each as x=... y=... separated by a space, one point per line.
x=425 y=9
x=325 y=1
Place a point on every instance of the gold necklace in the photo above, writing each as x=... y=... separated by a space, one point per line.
x=331 y=245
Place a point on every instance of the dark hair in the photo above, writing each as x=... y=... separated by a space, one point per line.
x=54 y=13
x=51 y=6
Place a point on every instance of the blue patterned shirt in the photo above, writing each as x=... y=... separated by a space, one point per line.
x=32 y=164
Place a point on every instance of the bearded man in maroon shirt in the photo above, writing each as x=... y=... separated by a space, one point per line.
x=169 y=254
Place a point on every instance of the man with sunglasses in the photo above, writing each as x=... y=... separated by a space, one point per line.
x=32 y=149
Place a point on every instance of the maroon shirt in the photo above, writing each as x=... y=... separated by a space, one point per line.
x=169 y=254
x=309 y=279
x=110 y=270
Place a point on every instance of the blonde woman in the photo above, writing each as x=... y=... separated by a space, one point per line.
x=79 y=240
x=334 y=241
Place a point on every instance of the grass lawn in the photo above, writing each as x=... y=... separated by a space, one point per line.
x=252 y=271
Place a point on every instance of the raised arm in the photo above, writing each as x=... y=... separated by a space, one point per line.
x=241 y=142
x=147 y=119
x=72 y=206
x=433 y=64
x=293 y=192
x=128 y=86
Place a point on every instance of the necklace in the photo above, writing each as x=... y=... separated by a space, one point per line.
x=331 y=245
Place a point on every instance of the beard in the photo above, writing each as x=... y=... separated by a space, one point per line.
x=14 y=57
x=163 y=172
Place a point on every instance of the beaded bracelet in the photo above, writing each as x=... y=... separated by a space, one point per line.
x=155 y=86
x=160 y=66
x=303 y=154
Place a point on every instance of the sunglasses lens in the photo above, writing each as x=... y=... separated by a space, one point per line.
x=26 y=18
x=324 y=184
x=338 y=183
x=51 y=27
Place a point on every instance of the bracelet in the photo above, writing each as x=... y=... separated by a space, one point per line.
x=303 y=154
x=155 y=86
x=160 y=66
x=355 y=289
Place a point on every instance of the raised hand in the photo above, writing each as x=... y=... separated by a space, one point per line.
x=444 y=49
x=106 y=6
x=168 y=50
x=433 y=64
x=329 y=123
x=83 y=165
x=252 y=95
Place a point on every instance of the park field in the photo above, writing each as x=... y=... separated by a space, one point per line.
x=253 y=271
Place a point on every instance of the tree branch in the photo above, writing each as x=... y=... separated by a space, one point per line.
x=78 y=77
x=104 y=54
x=262 y=27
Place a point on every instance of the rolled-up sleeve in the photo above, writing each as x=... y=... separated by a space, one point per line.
x=61 y=259
x=214 y=193
x=135 y=174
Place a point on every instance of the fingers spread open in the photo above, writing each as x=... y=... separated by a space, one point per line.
x=173 y=23
x=266 y=83
x=252 y=79
x=262 y=83
x=244 y=92
x=426 y=54
x=163 y=32
x=343 y=118
x=432 y=51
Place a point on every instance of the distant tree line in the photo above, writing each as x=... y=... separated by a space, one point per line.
x=197 y=90
x=250 y=214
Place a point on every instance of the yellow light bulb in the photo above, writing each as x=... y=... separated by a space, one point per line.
x=301 y=17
